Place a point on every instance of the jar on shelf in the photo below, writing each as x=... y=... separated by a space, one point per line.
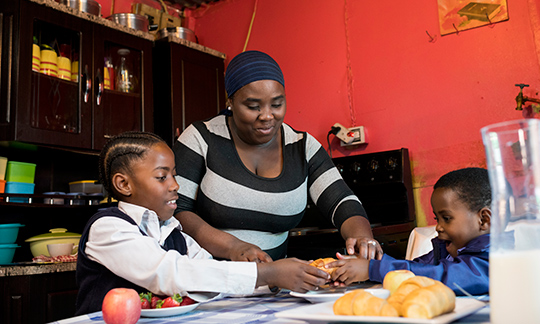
x=125 y=80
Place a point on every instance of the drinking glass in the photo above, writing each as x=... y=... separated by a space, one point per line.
x=513 y=159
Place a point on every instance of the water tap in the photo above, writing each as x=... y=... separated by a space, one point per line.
x=519 y=97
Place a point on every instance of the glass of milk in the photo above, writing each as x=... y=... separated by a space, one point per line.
x=513 y=159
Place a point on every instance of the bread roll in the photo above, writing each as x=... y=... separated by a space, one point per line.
x=365 y=304
x=393 y=279
x=428 y=302
x=319 y=264
x=406 y=287
x=343 y=305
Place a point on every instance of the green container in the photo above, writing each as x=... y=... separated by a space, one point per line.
x=20 y=172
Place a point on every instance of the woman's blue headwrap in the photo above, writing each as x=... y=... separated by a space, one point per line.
x=251 y=66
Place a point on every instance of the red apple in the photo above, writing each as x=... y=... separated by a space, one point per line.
x=121 y=306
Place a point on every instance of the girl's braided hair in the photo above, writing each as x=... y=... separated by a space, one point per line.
x=120 y=152
x=470 y=184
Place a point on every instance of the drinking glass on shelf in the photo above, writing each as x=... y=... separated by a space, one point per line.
x=513 y=158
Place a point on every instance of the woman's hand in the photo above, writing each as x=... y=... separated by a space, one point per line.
x=291 y=273
x=364 y=247
x=243 y=251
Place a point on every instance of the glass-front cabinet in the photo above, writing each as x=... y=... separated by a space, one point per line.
x=69 y=81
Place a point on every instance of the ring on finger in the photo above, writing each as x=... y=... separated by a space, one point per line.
x=372 y=242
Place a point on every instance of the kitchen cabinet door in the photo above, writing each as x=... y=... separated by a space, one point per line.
x=41 y=107
x=188 y=86
x=122 y=107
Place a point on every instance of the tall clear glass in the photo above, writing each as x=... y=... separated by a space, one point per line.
x=513 y=158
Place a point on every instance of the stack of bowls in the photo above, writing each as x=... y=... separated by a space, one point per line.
x=20 y=179
x=8 y=236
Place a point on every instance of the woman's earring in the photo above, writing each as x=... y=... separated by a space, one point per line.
x=229 y=108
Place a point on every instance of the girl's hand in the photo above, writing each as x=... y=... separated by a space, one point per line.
x=291 y=273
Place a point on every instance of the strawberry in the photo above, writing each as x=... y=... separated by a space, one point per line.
x=186 y=301
x=154 y=301
x=145 y=300
x=172 y=301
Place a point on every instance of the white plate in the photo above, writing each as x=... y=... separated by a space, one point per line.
x=323 y=313
x=320 y=296
x=168 y=311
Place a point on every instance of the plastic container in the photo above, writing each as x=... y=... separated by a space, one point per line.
x=3 y=165
x=38 y=243
x=2 y=186
x=7 y=251
x=19 y=188
x=85 y=186
x=9 y=232
x=54 y=200
x=20 y=172
x=74 y=198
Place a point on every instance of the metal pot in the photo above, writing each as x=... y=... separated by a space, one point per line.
x=131 y=20
x=179 y=32
x=89 y=6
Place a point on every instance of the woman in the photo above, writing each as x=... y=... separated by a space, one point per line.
x=244 y=176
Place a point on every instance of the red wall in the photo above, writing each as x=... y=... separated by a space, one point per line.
x=430 y=97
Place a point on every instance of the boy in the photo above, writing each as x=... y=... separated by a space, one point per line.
x=461 y=203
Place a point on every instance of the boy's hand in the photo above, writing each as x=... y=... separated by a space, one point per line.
x=349 y=270
x=291 y=273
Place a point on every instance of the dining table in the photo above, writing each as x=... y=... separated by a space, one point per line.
x=267 y=308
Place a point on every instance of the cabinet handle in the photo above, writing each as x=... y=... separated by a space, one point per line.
x=87 y=83
x=99 y=88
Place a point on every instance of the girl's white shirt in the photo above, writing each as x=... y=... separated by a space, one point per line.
x=119 y=246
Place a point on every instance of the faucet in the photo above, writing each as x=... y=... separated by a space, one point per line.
x=521 y=99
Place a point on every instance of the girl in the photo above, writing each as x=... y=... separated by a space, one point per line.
x=140 y=245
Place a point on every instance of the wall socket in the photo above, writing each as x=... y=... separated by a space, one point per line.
x=359 y=136
x=344 y=134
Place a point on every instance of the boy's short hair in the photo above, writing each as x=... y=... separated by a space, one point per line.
x=470 y=184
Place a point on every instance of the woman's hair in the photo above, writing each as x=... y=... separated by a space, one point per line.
x=470 y=184
x=119 y=154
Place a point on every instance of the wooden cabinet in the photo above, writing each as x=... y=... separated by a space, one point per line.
x=81 y=111
x=40 y=298
x=188 y=86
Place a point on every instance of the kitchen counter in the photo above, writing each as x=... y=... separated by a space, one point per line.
x=105 y=22
x=29 y=268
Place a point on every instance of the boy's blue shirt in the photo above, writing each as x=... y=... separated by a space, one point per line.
x=469 y=269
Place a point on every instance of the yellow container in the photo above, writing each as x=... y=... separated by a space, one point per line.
x=106 y=78
x=49 y=63
x=64 y=68
x=3 y=165
x=36 y=58
x=75 y=71
x=38 y=243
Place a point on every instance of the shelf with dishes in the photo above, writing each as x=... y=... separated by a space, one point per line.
x=53 y=200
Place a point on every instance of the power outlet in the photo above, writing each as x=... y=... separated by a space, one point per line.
x=359 y=136
x=344 y=134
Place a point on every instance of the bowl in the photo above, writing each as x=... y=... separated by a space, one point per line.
x=131 y=20
x=9 y=232
x=60 y=249
x=89 y=6
x=38 y=243
x=179 y=32
x=7 y=251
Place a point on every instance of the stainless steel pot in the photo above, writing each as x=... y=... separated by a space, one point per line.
x=179 y=32
x=89 y=6
x=131 y=20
